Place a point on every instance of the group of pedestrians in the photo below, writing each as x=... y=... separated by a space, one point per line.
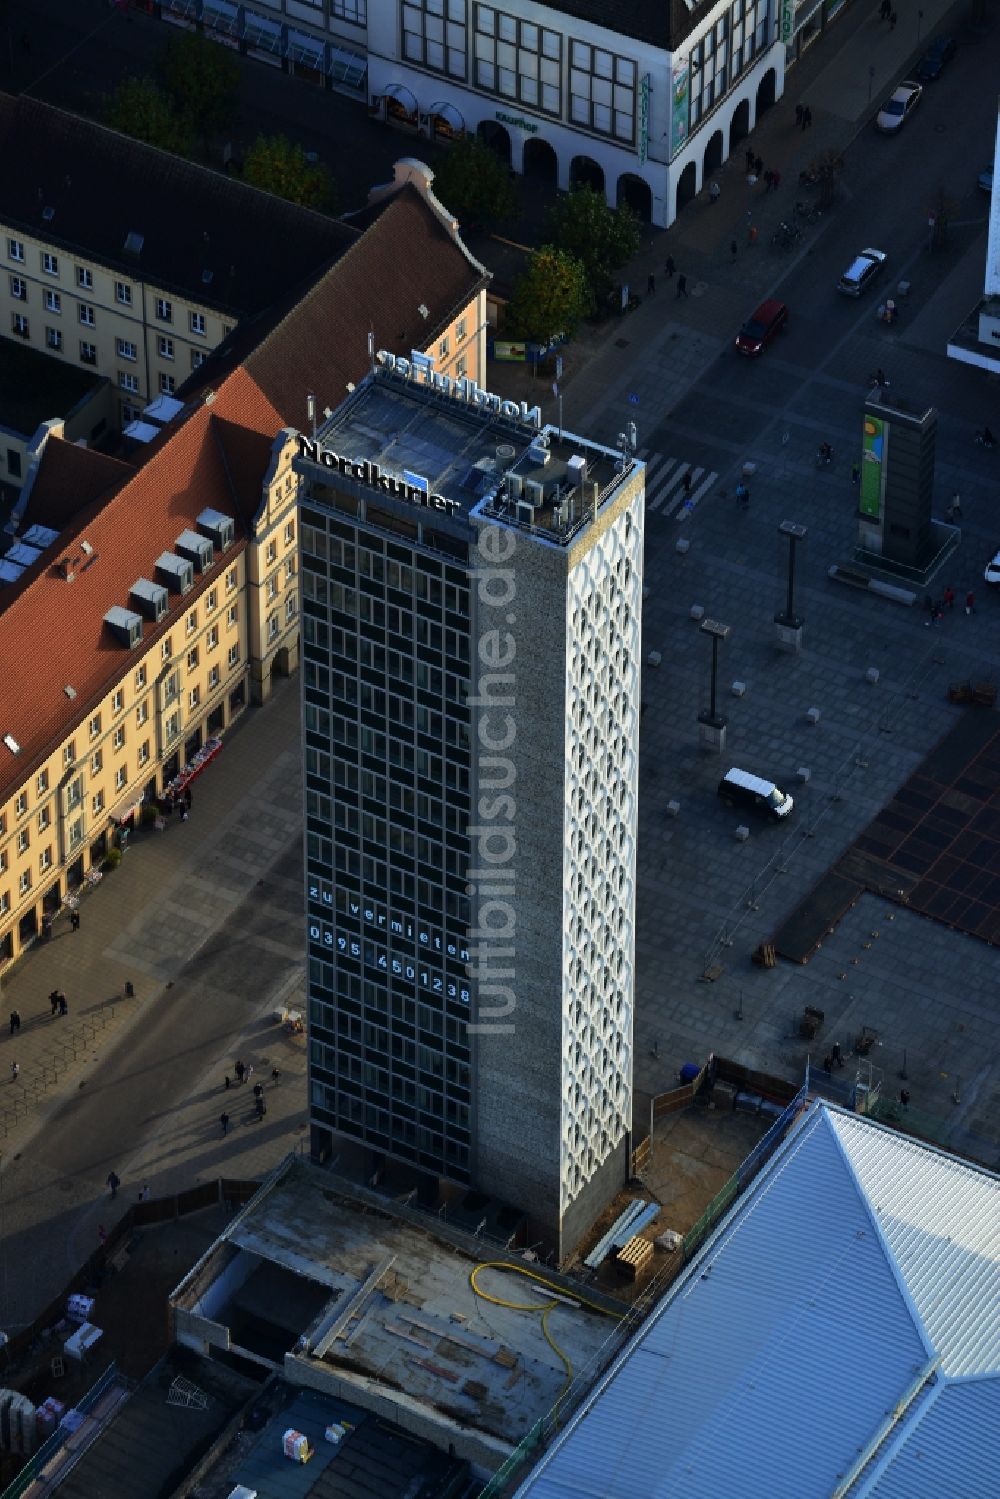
x=670 y=271
x=803 y=116
x=887 y=13
x=937 y=608
x=243 y=1071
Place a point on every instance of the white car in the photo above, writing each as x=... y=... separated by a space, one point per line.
x=897 y=109
x=861 y=272
x=992 y=573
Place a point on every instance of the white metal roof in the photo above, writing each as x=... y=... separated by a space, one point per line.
x=817 y=1333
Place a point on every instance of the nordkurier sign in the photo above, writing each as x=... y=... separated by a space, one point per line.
x=420 y=368
x=371 y=475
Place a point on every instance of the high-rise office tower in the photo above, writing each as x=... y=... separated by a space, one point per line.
x=471 y=598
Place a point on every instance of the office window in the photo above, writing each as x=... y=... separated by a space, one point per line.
x=19 y=288
x=50 y=263
x=443 y=349
x=232 y=614
x=198 y=357
x=198 y=323
x=602 y=90
x=97 y=803
x=119 y=737
x=126 y=349
x=234 y=655
x=23 y=841
x=69 y=753
x=211 y=600
x=192 y=658
x=290 y=607
x=53 y=339
x=121 y=778
x=95 y=726
x=88 y=353
x=167 y=385
x=142 y=713
x=232 y=579
x=19 y=324
x=21 y=805
x=45 y=859
x=15 y=250
x=289 y=567
x=24 y=884
x=192 y=622
x=43 y=819
x=118 y=701
x=519 y=60
x=164 y=310
x=214 y=677
x=272 y=589
x=123 y=293
x=76 y=833
x=4 y=903
x=97 y=762
x=128 y=382
x=212 y=638
x=84 y=277
x=143 y=755
x=272 y=552
x=171 y=686
x=166 y=347
x=194 y=697
x=53 y=301
x=434 y=35
x=42 y=782
x=461 y=330
x=87 y=315
x=289 y=531
x=74 y=792
x=172 y=727
x=166 y=648
x=140 y=678
x=272 y=627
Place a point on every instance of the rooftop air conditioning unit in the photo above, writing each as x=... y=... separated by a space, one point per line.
x=150 y=599
x=533 y=492
x=539 y=454
x=525 y=513
x=221 y=528
x=198 y=550
x=177 y=572
x=576 y=468
x=124 y=625
x=515 y=484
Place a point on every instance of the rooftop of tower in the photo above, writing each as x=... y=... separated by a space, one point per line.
x=449 y=447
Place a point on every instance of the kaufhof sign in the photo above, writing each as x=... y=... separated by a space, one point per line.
x=371 y=475
x=420 y=369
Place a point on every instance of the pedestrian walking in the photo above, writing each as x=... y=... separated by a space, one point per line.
x=855 y=474
x=15 y=1068
x=751 y=157
x=15 y=1022
x=54 y=1001
x=954 y=510
x=835 y=1057
x=224 y=1121
x=114 y=1182
x=768 y=180
x=904 y=1096
x=970 y=602
x=228 y=1082
x=74 y=921
x=714 y=192
x=742 y=496
x=732 y=252
x=144 y=1192
x=248 y=1074
x=46 y=927
x=258 y=1090
x=275 y=1074
x=261 y=1107
x=686 y=482
x=949 y=597
x=828 y=1064
x=758 y=165
x=682 y=286
x=240 y=1071
x=651 y=284
x=63 y=1006
x=670 y=267
x=798 y=107
x=807 y=118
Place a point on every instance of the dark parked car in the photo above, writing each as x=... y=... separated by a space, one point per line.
x=771 y=316
x=937 y=57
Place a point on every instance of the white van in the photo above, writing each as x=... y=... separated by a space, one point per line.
x=738 y=788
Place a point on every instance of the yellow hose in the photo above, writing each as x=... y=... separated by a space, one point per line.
x=534 y=1306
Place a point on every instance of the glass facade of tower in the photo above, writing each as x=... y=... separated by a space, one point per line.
x=386 y=644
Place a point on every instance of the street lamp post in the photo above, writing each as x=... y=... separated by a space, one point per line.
x=787 y=622
x=871 y=80
x=920 y=22
x=712 y=725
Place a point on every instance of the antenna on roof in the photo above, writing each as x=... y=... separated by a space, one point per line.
x=371 y=349
x=311 y=412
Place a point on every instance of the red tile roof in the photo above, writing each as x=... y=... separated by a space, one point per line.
x=69 y=480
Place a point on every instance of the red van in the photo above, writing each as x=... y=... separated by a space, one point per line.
x=757 y=331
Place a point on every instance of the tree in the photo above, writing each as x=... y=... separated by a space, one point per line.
x=280 y=166
x=202 y=80
x=826 y=170
x=474 y=184
x=942 y=211
x=603 y=238
x=549 y=298
x=139 y=107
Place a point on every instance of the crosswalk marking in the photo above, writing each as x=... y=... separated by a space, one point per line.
x=665 y=491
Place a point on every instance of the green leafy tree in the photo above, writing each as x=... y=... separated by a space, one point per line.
x=140 y=108
x=280 y=166
x=474 y=184
x=550 y=297
x=602 y=238
x=202 y=80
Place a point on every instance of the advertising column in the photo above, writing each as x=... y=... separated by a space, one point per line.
x=872 y=483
